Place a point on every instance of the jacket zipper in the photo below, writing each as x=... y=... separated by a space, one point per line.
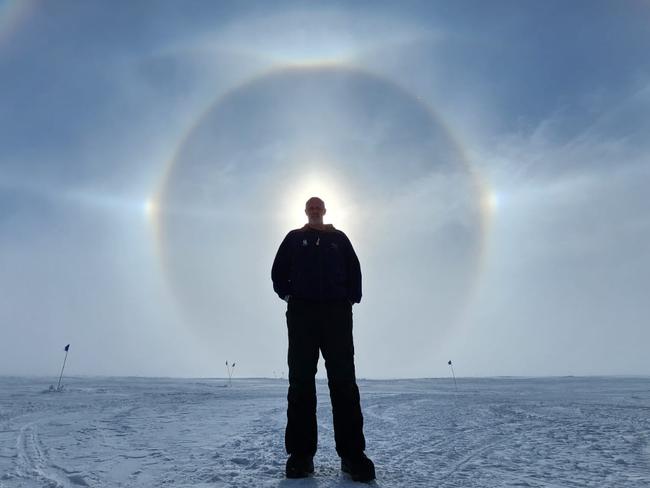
x=320 y=262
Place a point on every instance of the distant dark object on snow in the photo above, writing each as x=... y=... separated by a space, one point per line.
x=230 y=370
x=453 y=374
x=59 y=386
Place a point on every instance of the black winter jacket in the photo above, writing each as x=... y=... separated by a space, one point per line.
x=317 y=265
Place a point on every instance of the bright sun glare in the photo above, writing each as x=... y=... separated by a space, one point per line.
x=317 y=185
x=149 y=207
x=492 y=201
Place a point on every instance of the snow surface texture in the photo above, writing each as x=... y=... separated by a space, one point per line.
x=561 y=432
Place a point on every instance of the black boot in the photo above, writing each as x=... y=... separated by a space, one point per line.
x=299 y=466
x=359 y=467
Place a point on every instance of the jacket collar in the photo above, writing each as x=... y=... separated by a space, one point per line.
x=322 y=228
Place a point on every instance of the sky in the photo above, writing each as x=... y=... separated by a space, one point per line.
x=488 y=160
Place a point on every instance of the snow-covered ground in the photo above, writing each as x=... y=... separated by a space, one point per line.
x=559 y=432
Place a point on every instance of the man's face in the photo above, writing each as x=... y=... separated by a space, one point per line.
x=315 y=209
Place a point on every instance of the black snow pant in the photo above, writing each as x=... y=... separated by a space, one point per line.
x=326 y=327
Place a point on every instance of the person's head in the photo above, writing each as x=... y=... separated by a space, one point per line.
x=315 y=209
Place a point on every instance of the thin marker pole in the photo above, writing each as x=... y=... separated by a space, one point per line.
x=58 y=386
x=453 y=374
x=230 y=370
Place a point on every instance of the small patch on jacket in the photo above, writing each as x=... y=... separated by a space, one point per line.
x=304 y=243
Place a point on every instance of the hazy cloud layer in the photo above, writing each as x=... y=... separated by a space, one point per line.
x=489 y=161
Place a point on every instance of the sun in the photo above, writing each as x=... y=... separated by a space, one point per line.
x=322 y=185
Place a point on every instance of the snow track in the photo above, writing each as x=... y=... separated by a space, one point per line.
x=33 y=461
x=128 y=432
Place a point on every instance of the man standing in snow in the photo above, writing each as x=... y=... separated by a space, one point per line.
x=317 y=273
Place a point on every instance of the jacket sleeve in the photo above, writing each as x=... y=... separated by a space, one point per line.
x=281 y=270
x=354 y=274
